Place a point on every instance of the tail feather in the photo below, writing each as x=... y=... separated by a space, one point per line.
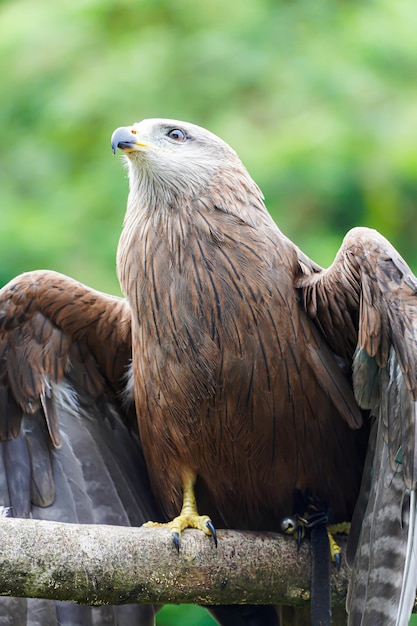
x=384 y=577
x=409 y=585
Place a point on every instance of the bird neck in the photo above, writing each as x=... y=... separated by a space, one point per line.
x=180 y=218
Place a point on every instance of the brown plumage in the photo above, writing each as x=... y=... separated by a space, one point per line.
x=242 y=350
x=239 y=342
x=232 y=380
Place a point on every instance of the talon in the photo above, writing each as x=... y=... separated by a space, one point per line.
x=212 y=529
x=300 y=535
x=338 y=561
x=176 y=540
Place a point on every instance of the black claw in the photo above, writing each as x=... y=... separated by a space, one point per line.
x=299 y=536
x=338 y=561
x=177 y=541
x=211 y=528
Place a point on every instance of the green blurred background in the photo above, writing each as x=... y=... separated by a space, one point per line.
x=318 y=98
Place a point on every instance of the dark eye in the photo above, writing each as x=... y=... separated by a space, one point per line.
x=177 y=134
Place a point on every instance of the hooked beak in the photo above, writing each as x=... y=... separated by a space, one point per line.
x=125 y=138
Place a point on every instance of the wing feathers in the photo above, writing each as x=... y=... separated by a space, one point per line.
x=51 y=325
x=42 y=480
x=17 y=469
x=384 y=576
x=370 y=284
x=67 y=452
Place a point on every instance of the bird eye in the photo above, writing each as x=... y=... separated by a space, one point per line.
x=177 y=134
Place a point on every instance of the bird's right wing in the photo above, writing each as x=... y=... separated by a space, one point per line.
x=50 y=326
x=70 y=450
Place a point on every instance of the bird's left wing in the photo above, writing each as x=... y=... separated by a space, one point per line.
x=365 y=305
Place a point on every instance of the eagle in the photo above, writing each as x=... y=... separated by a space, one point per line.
x=255 y=373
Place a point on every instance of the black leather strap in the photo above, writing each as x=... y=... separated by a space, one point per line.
x=321 y=611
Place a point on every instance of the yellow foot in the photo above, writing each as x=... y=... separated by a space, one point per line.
x=187 y=520
x=189 y=517
x=298 y=525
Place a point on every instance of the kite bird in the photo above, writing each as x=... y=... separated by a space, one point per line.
x=256 y=374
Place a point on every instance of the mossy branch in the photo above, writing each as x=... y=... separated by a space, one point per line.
x=93 y=564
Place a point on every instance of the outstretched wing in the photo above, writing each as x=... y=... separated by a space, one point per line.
x=51 y=325
x=70 y=450
x=366 y=306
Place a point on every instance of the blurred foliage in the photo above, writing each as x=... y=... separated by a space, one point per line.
x=318 y=98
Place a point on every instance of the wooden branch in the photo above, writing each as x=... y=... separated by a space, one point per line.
x=93 y=564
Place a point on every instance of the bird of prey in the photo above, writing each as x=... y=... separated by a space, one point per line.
x=240 y=347
x=255 y=372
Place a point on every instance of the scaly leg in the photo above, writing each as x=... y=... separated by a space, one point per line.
x=189 y=516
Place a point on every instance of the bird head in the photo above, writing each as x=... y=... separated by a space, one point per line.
x=173 y=155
